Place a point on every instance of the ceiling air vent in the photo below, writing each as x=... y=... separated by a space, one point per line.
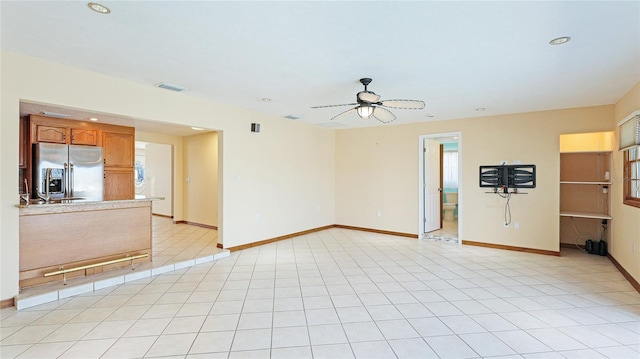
x=171 y=87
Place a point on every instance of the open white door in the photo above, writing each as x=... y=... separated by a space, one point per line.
x=158 y=177
x=432 y=190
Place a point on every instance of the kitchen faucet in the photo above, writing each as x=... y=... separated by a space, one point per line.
x=47 y=182
x=25 y=196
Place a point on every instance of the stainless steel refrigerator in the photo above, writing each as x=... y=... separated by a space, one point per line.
x=68 y=172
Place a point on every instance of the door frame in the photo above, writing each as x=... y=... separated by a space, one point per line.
x=421 y=178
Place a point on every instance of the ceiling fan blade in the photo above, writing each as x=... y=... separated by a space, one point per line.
x=343 y=113
x=344 y=104
x=404 y=104
x=368 y=96
x=383 y=115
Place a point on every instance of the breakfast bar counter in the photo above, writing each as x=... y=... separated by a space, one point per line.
x=75 y=233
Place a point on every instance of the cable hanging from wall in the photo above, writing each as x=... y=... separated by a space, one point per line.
x=507 y=207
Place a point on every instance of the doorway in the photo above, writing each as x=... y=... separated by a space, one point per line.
x=153 y=175
x=440 y=175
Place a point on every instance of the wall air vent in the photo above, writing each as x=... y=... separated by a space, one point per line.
x=171 y=87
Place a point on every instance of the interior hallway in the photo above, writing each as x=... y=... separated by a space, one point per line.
x=342 y=293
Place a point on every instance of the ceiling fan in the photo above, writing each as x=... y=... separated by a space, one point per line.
x=368 y=105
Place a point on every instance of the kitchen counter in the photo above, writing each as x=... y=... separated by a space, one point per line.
x=75 y=233
x=71 y=205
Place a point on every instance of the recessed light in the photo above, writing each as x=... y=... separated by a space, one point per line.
x=93 y=119
x=480 y=109
x=560 y=40
x=197 y=128
x=100 y=9
x=266 y=99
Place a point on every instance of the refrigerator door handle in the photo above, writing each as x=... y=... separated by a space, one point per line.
x=71 y=180
x=65 y=179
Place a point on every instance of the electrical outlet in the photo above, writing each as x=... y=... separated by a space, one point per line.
x=318 y=209
x=257 y=218
x=516 y=225
x=379 y=214
x=633 y=248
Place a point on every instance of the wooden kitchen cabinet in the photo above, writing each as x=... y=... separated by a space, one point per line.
x=117 y=142
x=84 y=137
x=118 y=184
x=51 y=134
x=118 y=149
x=44 y=129
x=24 y=143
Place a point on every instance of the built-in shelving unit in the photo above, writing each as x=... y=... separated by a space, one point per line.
x=585 y=182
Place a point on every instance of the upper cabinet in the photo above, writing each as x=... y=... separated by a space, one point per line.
x=119 y=155
x=118 y=149
x=46 y=129
x=80 y=136
x=51 y=134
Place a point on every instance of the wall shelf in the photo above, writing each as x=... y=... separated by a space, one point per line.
x=577 y=214
x=587 y=182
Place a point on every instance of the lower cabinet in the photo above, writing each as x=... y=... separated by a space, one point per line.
x=118 y=184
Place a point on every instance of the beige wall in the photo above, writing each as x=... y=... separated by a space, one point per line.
x=625 y=226
x=201 y=178
x=377 y=170
x=283 y=173
x=286 y=175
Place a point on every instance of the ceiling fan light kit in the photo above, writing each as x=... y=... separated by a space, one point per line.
x=368 y=105
x=364 y=111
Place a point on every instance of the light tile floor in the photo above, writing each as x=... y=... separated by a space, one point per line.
x=448 y=232
x=341 y=294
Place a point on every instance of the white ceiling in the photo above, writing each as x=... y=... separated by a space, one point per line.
x=456 y=56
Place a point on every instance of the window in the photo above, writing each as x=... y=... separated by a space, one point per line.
x=450 y=169
x=632 y=176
